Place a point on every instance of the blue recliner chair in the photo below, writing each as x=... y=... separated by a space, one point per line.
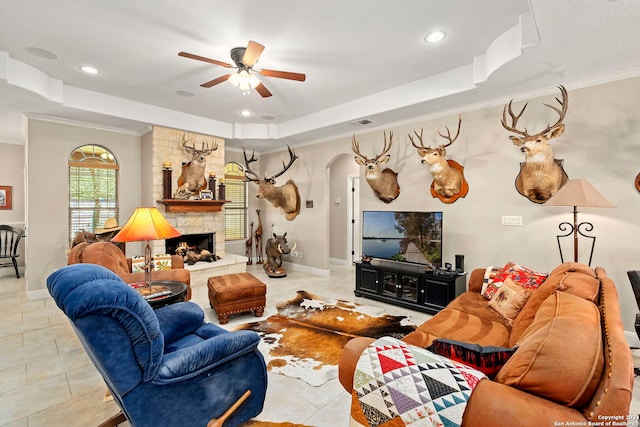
x=164 y=367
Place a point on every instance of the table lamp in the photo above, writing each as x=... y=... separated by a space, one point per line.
x=147 y=224
x=577 y=192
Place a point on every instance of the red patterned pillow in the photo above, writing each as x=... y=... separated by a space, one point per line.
x=489 y=283
x=487 y=359
x=523 y=276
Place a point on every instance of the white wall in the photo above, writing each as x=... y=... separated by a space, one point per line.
x=601 y=143
x=48 y=149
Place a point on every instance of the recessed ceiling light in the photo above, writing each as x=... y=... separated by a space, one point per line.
x=41 y=53
x=435 y=36
x=89 y=69
x=245 y=113
x=184 y=93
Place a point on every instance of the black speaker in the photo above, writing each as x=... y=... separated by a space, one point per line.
x=460 y=262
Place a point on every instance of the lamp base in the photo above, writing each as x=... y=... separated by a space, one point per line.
x=153 y=291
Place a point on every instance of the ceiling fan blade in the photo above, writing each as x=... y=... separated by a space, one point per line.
x=216 y=81
x=263 y=91
x=202 y=58
x=283 y=75
x=253 y=52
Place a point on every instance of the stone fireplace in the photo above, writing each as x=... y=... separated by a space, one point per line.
x=162 y=146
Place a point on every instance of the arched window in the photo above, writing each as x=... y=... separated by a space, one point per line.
x=235 y=212
x=93 y=188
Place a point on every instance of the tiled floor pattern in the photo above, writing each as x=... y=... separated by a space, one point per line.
x=46 y=379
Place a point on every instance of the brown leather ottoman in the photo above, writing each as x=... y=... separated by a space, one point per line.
x=236 y=293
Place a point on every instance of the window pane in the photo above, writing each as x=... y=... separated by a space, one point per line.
x=92 y=189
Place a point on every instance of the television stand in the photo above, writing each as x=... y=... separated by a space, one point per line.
x=408 y=285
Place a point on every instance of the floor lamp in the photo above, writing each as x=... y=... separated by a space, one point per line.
x=577 y=193
x=147 y=224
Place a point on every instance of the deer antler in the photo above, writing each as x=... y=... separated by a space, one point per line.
x=355 y=147
x=514 y=119
x=292 y=158
x=448 y=135
x=385 y=149
x=419 y=138
x=209 y=150
x=247 y=170
x=564 y=104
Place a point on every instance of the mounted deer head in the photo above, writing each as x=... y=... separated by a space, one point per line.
x=448 y=178
x=192 y=179
x=541 y=175
x=285 y=197
x=384 y=183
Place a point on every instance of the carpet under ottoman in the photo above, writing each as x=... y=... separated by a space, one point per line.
x=236 y=293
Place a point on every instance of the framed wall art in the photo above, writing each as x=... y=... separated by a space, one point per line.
x=5 y=197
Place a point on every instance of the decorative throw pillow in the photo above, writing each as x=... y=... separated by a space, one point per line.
x=523 y=276
x=509 y=300
x=159 y=262
x=162 y=262
x=137 y=264
x=489 y=274
x=487 y=359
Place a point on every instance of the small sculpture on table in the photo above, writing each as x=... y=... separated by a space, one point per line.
x=259 y=240
x=276 y=247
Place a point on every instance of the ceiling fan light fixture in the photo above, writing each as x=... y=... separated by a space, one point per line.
x=244 y=80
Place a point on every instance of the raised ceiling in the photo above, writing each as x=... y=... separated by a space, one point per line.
x=363 y=60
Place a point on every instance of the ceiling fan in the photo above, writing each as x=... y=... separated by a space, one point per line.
x=244 y=78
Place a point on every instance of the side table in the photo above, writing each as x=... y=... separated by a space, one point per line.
x=178 y=292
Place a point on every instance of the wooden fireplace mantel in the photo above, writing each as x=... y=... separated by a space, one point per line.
x=178 y=205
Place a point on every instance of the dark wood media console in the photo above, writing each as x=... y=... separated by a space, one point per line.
x=408 y=285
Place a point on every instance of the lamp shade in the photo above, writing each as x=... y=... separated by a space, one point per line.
x=579 y=192
x=146 y=224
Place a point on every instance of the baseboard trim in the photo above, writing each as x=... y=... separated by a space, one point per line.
x=7 y=270
x=339 y=261
x=307 y=269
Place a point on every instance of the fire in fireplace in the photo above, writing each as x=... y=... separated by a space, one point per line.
x=196 y=241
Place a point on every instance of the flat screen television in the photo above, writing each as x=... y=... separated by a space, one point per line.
x=414 y=237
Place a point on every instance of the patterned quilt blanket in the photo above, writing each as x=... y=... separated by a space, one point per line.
x=396 y=384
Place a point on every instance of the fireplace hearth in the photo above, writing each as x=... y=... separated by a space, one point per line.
x=194 y=241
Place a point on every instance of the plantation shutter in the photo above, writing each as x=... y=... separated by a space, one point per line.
x=235 y=212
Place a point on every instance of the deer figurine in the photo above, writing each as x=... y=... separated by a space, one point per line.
x=541 y=175
x=249 y=246
x=285 y=197
x=448 y=177
x=192 y=179
x=384 y=183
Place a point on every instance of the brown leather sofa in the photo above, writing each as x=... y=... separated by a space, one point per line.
x=110 y=256
x=573 y=363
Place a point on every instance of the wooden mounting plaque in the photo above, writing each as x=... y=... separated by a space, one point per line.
x=177 y=205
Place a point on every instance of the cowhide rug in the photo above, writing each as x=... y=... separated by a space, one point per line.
x=305 y=339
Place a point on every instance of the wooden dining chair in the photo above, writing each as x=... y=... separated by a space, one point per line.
x=9 y=239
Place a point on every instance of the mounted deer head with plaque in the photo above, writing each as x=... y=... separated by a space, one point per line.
x=448 y=175
x=285 y=197
x=541 y=175
x=383 y=182
x=192 y=179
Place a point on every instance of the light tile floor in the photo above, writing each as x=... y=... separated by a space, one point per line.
x=46 y=379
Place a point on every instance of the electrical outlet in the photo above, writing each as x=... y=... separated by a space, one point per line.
x=511 y=220
x=294 y=254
